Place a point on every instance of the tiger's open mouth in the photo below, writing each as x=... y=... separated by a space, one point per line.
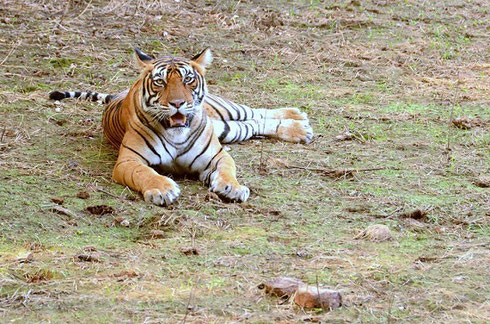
x=178 y=120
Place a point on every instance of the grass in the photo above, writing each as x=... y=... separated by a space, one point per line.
x=391 y=74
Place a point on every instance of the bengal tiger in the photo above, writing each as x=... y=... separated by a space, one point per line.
x=167 y=121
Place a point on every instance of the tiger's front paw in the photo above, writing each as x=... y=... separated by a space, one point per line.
x=232 y=192
x=296 y=131
x=164 y=193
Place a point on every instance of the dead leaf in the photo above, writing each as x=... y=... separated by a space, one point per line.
x=462 y=123
x=126 y=274
x=190 y=251
x=26 y=259
x=277 y=163
x=57 y=201
x=88 y=257
x=63 y=211
x=83 y=195
x=100 y=210
x=415 y=214
x=212 y=197
x=157 y=234
x=38 y=276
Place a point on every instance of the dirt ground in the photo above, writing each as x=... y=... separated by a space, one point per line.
x=398 y=96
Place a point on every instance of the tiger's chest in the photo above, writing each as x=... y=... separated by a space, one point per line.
x=181 y=150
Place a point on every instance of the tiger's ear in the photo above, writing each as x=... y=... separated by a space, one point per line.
x=141 y=58
x=204 y=58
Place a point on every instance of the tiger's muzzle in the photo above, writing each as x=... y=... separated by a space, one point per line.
x=178 y=115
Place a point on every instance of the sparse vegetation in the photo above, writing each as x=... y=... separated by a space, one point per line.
x=383 y=83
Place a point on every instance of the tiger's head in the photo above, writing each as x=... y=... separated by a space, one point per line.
x=173 y=88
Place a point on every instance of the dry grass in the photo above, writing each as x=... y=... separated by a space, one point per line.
x=383 y=83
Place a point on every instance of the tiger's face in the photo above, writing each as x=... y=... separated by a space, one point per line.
x=173 y=88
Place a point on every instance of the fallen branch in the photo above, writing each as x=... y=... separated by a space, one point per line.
x=189 y=307
x=121 y=197
x=10 y=52
x=108 y=193
x=335 y=173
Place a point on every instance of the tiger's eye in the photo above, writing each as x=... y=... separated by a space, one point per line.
x=159 y=82
x=188 y=79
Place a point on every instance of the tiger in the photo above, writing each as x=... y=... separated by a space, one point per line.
x=168 y=123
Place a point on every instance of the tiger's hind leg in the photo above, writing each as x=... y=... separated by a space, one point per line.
x=289 y=130
x=286 y=113
x=222 y=109
x=235 y=122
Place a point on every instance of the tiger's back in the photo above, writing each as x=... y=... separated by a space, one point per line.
x=114 y=120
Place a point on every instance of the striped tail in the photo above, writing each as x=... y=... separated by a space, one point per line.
x=93 y=96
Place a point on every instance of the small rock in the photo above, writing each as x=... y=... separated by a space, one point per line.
x=303 y=254
x=483 y=182
x=377 y=233
x=83 y=195
x=281 y=286
x=313 y=297
x=416 y=225
x=347 y=136
x=157 y=234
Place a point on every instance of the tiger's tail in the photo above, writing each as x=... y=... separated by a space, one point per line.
x=93 y=96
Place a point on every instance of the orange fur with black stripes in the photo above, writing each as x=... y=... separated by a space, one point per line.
x=168 y=121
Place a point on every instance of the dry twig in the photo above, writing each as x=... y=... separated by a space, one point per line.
x=335 y=173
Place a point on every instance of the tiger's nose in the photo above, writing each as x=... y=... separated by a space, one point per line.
x=177 y=103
